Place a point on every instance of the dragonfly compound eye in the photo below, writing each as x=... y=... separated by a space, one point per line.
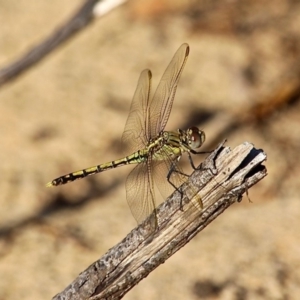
x=196 y=137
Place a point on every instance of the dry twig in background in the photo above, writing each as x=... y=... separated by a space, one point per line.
x=78 y=21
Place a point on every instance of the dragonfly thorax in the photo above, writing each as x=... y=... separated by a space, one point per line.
x=170 y=144
x=166 y=146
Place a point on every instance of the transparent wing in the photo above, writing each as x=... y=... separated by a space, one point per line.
x=136 y=132
x=162 y=101
x=140 y=191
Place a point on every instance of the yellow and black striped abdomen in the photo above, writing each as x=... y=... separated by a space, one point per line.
x=135 y=158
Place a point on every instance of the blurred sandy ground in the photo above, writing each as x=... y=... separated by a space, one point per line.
x=68 y=112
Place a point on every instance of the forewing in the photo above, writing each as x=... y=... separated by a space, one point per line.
x=136 y=132
x=140 y=191
x=162 y=101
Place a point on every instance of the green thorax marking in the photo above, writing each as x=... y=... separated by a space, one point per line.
x=167 y=145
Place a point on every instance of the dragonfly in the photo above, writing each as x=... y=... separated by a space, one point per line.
x=155 y=152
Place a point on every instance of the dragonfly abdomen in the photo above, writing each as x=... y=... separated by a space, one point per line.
x=134 y=158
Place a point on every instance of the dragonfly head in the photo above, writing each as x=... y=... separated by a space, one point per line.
x=195 y=137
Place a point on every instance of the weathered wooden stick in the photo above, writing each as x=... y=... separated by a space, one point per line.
x=220 y=181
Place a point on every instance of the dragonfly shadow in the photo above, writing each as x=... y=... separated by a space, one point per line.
x=93 y=193
x=118 y=148
x=61 y=202
x=197 y=117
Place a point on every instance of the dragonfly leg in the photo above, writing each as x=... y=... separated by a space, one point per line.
x=191 y=161
x=171 y=171
x=196 y=152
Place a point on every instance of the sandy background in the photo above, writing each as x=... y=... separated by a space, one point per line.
x=68 y=112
